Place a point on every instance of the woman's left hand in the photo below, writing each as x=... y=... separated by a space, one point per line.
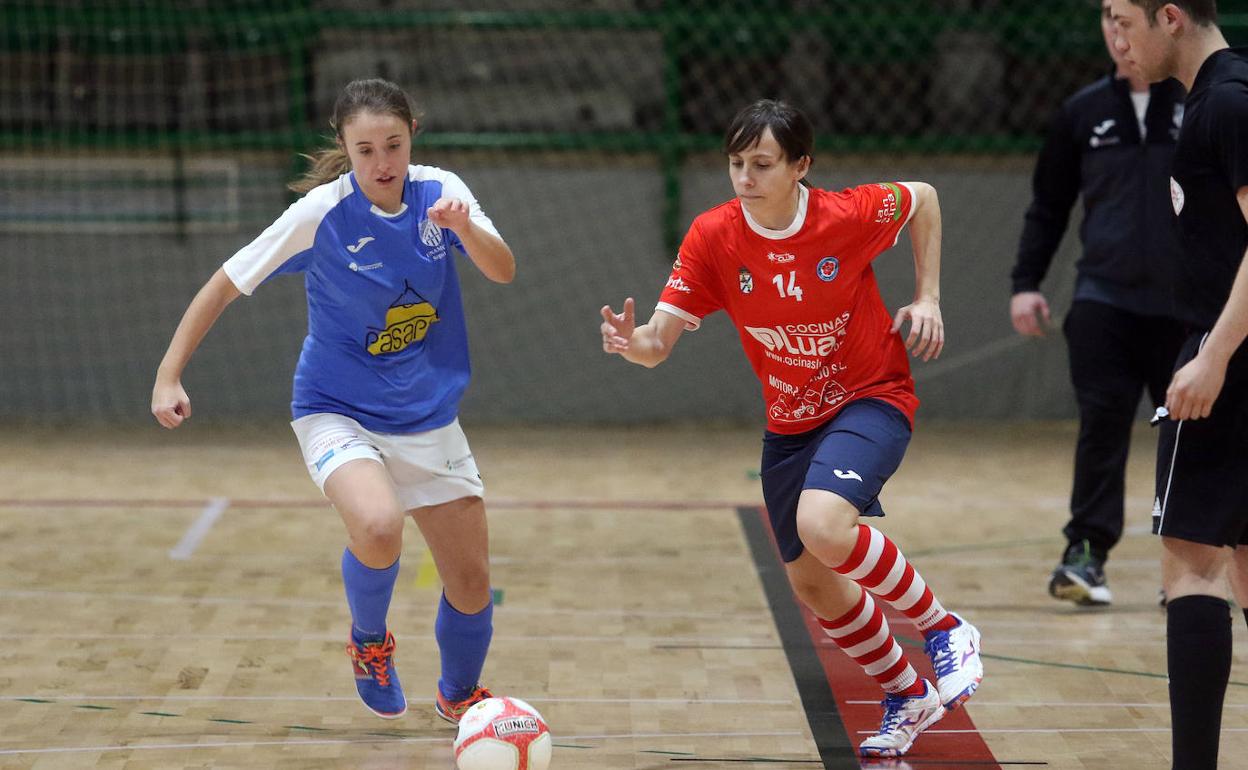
x=927 y=330
x=451 y=213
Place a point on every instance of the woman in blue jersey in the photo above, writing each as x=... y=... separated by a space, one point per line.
x=380 y=376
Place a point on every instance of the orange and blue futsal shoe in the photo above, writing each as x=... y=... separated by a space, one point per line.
x=375 y=677
x=452 y=710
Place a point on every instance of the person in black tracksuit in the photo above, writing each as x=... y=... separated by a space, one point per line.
x=1201 y=504
x=1111 y=142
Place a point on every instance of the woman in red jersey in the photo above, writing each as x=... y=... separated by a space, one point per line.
x=791 y=265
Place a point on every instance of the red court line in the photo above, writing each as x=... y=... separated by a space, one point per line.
x=509 y=504
x=848 y=683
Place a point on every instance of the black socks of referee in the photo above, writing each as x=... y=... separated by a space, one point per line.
x=1198 y=655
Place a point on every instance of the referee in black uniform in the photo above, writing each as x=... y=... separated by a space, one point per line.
x=1201 y=509
x=1111 y=142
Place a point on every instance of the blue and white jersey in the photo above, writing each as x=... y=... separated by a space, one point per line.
x=387 y=344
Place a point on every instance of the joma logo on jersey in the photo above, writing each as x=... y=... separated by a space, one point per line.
x=815 y=339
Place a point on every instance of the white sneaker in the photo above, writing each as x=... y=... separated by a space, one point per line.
x=904 y=718
x=955 y=657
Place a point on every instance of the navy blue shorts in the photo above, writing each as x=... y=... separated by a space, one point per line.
x=852 y=454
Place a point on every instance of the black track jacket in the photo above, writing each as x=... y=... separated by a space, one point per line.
x=1093 y=147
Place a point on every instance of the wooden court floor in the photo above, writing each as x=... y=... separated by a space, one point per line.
x=173 y=601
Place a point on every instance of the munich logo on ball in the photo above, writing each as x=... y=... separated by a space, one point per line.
x=515 y=726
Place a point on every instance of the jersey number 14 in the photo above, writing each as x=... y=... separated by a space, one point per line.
x=793 y=289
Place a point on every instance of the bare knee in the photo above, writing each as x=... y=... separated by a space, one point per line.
x=376 y=535
x=828 y=594
x=1189 y=568
x=457 y=535
x=827 y=525
x=808 y=591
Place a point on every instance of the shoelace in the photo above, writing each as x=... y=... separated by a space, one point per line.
x=938 y=649
x=479 y=694
x=376 y=656
x=893 y=705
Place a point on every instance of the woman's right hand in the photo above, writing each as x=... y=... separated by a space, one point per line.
x=617 y=328
x=170 y=404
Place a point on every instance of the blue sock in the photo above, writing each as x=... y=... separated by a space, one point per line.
x=368 y=595
x=463 y=641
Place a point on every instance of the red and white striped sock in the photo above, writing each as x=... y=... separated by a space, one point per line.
x=864 y=635
x=878 y=565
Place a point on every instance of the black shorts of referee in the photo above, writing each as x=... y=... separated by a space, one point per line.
x=1202 y=465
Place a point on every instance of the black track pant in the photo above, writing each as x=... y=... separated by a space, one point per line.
x=1114 y=356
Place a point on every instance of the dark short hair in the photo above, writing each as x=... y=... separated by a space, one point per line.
x=1203 y=12
x=789 y=125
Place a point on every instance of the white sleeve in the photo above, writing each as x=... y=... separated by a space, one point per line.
x=287 y=238
x=454 y=187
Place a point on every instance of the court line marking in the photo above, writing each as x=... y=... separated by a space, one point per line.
x=1057 y=704
x=1007 y=730
x=508 y=504
x=756 y=643
x=348 y=741
x=914 y=644
x=1111 y=622
x=351 y=698
x=208 y=516
x=338 y=604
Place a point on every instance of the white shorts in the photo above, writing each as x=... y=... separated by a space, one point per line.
x=427 y=468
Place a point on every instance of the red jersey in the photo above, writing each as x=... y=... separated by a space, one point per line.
x=804 y=300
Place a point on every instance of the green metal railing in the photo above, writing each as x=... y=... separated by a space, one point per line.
x=291 y=27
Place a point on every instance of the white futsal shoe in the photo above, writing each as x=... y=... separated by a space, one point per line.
x=955 y=657
x=904 y=718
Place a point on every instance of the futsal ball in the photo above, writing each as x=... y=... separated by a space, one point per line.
x=502 y=734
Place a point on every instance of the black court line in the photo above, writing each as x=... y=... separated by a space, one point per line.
x=831 y=739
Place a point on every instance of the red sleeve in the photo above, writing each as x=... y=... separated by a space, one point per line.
x=692 y=290
x=883 y=209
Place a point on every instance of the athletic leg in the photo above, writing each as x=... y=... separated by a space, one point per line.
x=363 y=495
x=852 y=619
x=1198 y=648
x=457 y=535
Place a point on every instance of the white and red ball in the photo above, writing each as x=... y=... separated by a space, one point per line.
x=502 y=734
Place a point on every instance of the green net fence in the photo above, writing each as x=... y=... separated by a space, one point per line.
x=143 y=141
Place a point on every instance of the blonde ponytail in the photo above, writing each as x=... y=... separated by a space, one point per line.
x=327 y=165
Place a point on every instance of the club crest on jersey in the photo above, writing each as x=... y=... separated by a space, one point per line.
x=747 y=281
x=828 y=268
x=430 y=233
